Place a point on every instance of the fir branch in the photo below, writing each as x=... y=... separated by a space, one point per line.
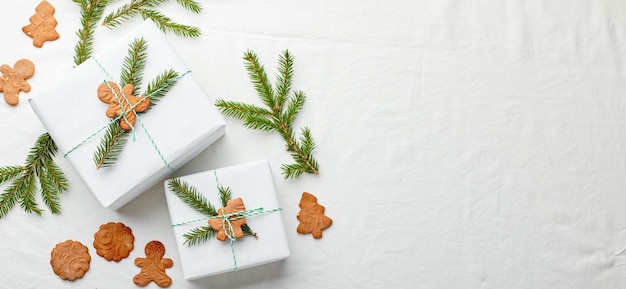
x=52 y=182
x=190 y=196
x=110 y=146
x=122 y=14
x=241 y=110
x=284 y=77
x=166 y=24
x=134 y=63
x=10 y=172
x=259 y=79
x=296 y=103
x=190 y=5
x=27 y=186
x=198 y=235
x=225 y=195
x=91 y=12
x=161 y=85
x=39 y=164
x=145 y=9
x=259 y=122
x=280 y=114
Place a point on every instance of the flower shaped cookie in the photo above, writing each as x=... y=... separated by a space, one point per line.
x=70 y=260
x=113 y=241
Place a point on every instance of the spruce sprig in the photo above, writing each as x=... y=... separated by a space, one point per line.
x=91 y=12
x=39 y=165
x=115 y=138
x=280 y=113
x=161 y=85
x=134 y=63
x=145 y=8
x=111 y=146
x=191 y=197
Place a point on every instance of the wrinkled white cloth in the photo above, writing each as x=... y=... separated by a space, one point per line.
x=462 y=144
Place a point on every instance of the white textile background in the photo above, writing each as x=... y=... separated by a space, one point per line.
x=462 y=144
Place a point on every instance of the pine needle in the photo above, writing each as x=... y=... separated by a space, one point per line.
x=91 y=12
x=134 y=63
x=166 y=24
x=190 y=196
x=225 y=195
x=39 y=165
x=190 y=5
x=161 y=85
x=279 y=115
x=111 y=146
x=198 y=235
x=145 y=8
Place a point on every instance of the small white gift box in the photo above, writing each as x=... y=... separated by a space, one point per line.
x=184 y=123
x=252 y=182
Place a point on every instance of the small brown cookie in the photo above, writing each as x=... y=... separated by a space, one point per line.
x=70 y=260
x=311 y=216
x=153 y=266
x=122 y=101
x=13 y=80
x=217 y=224
x=42 y=25
x=113 y=241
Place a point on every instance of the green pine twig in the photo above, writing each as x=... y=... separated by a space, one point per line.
x=39 y=165
x=134 y=63
x=225 y=195
x=91 y=12
x=166 y=24
x=191 y=197
x=161 y=85
x=191 y=5
x=279 y=115
x=145 y=8
x=111 y=146
x=198 y=235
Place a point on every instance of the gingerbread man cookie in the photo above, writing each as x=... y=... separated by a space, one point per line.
x=42 y=25
x=122 y=101
x=13 y=80
x=113 y=241
x=311 y=216
x=217 y=224
x=70 y=260
x=153 y=266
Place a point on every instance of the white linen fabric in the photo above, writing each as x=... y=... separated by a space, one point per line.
x=462 y=144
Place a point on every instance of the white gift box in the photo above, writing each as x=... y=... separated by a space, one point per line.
x=252 y=182
x=171 y=133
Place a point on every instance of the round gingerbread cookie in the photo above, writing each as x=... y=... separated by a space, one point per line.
x=70 y=260
x=113 y=241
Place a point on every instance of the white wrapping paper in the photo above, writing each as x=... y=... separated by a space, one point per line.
x=252 y=182
x=179 y=127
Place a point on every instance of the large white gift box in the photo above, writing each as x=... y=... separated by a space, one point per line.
x=252 y=182
x=182 y=124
